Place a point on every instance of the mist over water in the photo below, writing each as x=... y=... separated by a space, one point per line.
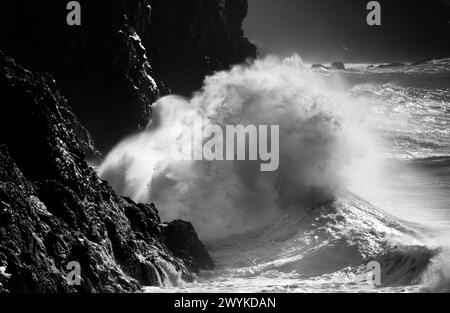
x=323 y=138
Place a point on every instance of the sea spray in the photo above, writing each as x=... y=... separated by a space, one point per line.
x=321 y=132
x=436 y=278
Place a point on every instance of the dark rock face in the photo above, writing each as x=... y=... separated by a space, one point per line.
x=100 y=65
x=208 y=33
x=54 y=209
x=182 y=239
x=125 y=53
x=337 y=65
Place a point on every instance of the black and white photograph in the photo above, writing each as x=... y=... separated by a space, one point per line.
x=220 y=154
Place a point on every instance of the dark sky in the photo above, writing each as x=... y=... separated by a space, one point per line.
x=318 y=29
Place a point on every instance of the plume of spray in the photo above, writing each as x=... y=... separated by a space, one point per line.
x=321 y=134
x=436 y=277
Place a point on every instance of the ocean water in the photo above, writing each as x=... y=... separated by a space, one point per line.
x=410 y=108
x=375 y=141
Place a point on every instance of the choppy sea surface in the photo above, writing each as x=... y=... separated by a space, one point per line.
x=397 y=215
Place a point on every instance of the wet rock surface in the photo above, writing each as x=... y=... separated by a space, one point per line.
x=99 y=78
x=55 y=210
x=183 y=241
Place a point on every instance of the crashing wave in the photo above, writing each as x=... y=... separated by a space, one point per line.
x=293 y=228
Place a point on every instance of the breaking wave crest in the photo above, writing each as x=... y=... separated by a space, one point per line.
x=322 y=135
x=298 y=228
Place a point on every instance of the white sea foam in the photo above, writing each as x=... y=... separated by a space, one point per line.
x=322 y=133
x=330 y=138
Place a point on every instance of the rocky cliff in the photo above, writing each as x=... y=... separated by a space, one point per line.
x=104 y=74
x=55 y=210
x=125 y=54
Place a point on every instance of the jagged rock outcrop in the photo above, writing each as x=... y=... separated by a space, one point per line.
x=125 y=54
x=337 y=65
x=183 y=241
x=54 y=209
x=208 y=33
